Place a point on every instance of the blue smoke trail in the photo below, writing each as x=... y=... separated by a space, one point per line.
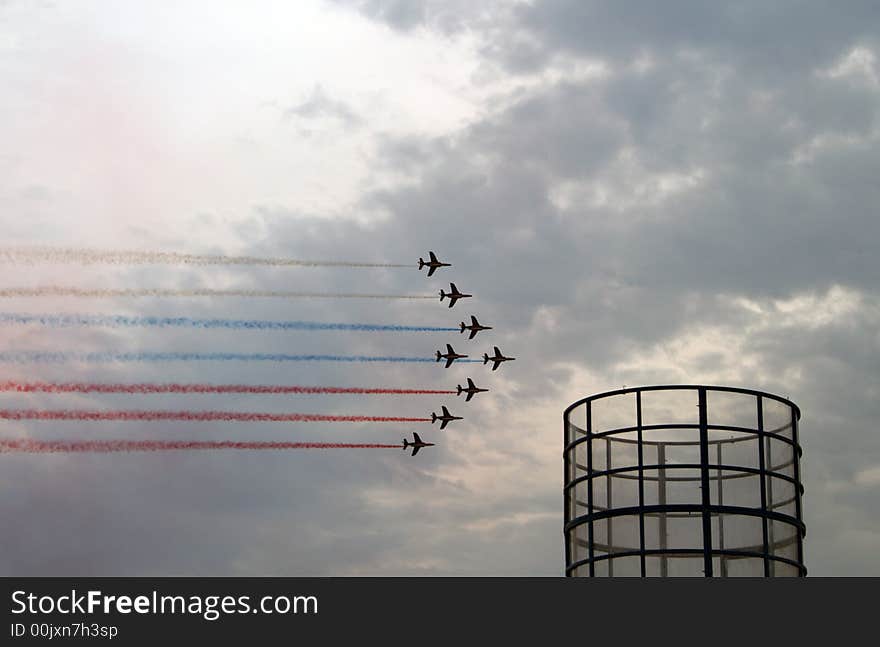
x=49 y=357
x=117 y=321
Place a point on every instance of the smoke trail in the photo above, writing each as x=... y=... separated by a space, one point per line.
x=147 y=388
x=191 y=416
x=52 y=357
x=107 y=446
x=120 y=321
x=62 y=291
x=124 y=257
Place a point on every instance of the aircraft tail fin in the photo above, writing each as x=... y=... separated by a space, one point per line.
x=485 y=358
x=462 y=326
x=458 y=386
x=438 y=355
x=433 y=417
x=421 y=263
x=443 y=295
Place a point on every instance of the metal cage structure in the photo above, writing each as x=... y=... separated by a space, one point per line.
x=683 y=480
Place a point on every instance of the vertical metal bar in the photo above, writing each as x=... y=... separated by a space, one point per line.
x=590 y=509
x=704 y=478
x=661 y=501
x=641 y=484
x=721 y=558
x=797 y=492
x=771 y=539
x=762 y=465
x=566 y=478
x=608 y=520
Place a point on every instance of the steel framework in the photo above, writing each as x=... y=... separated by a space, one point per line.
x=683 y=480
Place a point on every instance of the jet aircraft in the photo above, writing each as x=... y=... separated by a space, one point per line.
x=454 y=295
x=432 y=264
x=450 y=355
x=497 y=359
x=445 y=419
x=416 y=444
x=475 y=327
x=471 y=390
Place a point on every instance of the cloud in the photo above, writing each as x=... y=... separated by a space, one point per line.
x=320 y=106
x=869 y=477
x=448 y=17
x=642 y=197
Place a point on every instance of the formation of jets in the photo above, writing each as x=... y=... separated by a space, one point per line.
x=454 y=294
x=450 y=356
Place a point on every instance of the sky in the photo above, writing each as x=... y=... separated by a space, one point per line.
x=635 y=194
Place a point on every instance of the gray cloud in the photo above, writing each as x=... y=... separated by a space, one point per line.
x=320 y=105
x=448 y=17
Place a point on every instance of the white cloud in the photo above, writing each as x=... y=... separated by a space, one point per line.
x=868 y=477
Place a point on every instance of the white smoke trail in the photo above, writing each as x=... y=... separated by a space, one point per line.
x=84 y=256
x=62 y=291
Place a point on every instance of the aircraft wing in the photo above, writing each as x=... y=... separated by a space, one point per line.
x=470 y=394
x=431 y=270
x=452 y=299
x=449 y=361
x=416 y=436
x=416 y=449
x=473 y=333
x=497 y=352
x=433 y=257
x=495 y=364
x=443 y=424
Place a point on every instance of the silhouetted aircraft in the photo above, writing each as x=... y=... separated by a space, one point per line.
x=497 y=359
x=471 y=390
x=432 y=264
x=450 y=355
x=475 y=327
x=454 y=295
x=416 y=444
x=445 y=419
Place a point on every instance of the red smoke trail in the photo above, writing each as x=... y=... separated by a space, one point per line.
x=106 y=446
x=192 y=416
x=85 y=387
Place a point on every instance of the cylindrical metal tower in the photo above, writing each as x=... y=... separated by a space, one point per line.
x=683 y=480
